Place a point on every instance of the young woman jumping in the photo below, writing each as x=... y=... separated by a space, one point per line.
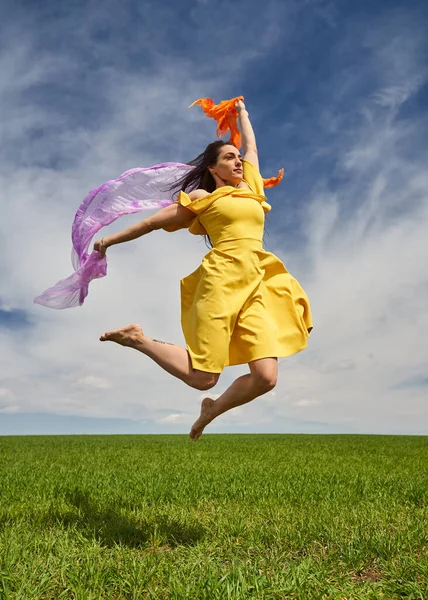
x=241 y=305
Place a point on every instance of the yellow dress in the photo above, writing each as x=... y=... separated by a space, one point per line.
x=241 y=304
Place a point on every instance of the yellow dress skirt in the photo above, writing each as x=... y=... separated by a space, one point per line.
x=241 y=304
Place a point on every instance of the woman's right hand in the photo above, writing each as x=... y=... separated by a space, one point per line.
x=240 y=106
x=100 y=247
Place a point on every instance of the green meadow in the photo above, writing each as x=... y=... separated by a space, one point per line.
x=228 y=517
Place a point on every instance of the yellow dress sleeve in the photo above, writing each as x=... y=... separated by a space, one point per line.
x=253 y=178
x=184 y=199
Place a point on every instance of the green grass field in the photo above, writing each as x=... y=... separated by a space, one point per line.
x=230 y=516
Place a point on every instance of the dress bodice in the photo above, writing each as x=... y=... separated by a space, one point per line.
x=228 y=213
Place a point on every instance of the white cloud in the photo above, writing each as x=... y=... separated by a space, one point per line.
x=364 y=265
x=8 y=401
x=306 y=402
x=143 y=281
x=94 y=382
x=177 y=418
x=366 y=255
x=12 y=409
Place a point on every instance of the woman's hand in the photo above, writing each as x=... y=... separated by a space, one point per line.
x=240 y=106
x=100 y=247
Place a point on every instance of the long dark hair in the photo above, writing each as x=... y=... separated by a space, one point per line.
x=200 y=177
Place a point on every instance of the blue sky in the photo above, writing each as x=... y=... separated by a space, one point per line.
x=337 y=92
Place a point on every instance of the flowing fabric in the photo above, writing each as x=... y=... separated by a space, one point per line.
x=134 y=191
x=273 y=181
x=225 y=114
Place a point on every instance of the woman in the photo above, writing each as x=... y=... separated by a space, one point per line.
x=241 y=305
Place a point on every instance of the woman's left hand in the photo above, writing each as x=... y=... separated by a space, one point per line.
x=100 y=247
x=240 y=106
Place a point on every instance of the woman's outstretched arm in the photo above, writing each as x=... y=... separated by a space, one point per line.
x=249 y=145
x=174 y=214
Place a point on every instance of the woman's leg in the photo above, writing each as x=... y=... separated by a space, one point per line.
x=173 y=359
x=261 y=379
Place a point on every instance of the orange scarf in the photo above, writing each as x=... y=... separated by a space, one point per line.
x=226 y=116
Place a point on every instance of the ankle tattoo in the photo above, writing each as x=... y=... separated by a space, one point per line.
x=160 y=342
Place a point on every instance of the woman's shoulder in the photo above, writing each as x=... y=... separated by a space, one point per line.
x=196 y=194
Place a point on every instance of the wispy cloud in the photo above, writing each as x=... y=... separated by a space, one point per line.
x=367 y=245
x=94 y=382
x=340 y=109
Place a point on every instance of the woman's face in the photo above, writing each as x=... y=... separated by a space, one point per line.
x=228 y=166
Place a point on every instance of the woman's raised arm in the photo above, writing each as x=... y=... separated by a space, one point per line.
x=174 y=214
x=249 y=145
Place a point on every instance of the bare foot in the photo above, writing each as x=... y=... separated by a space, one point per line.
x=206 y=416
x=127 y=336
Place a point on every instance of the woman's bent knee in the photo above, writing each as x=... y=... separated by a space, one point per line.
x=266 y=383
x=270 y=384
x=265 y=373
x=204 y=381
